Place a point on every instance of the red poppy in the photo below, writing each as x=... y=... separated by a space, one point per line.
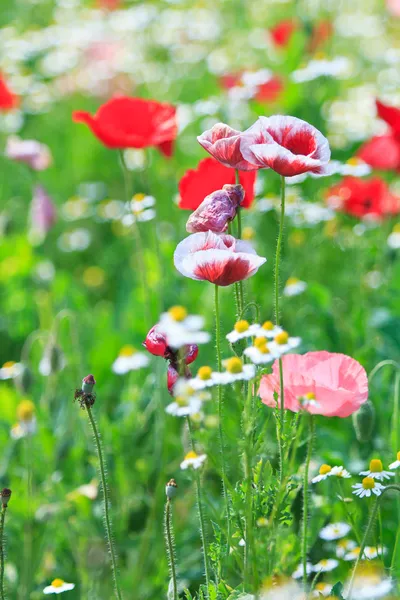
x=8 y=100
x=270 y=90
x=282 y=32
x=364 y=198
x=321 y=32
x=125 y=122
x=208 y=177
x=108 y=4
x=230 y=80
x=391 y=115
x=383 y=151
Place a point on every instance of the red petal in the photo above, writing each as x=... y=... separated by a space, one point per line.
x=390 y=114
x=381 y=152
x=224 y=273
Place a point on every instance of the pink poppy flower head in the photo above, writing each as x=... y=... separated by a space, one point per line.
x=216 y=210
x=220 y=259
x=31 y=152
x=322 y=383
x=43 y=212
x=287 y=145
x=223 y=143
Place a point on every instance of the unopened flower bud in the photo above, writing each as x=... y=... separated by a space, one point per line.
x=216 y=210
x=155 y=342
x=24 y=379
x=88 y=384
x=364 y=421
x=191 y=353
x=5 y=496
x=172 y=378
x=171 y=489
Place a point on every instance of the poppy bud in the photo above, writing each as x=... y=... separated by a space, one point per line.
x=172 y=378
x=364 y=421
x=171 y=489
x=155 y=342
x=5 y=496
x=216 y=210
x=24 y=379
x=191 y=353
x=88 y=384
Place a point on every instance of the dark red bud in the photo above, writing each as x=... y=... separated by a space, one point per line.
x=191 y=353
x=172 y=378
x=155 y=342
x=88 y=383
x=216 y=210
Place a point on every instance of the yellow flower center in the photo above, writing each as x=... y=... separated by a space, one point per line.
x=396 y=228
x=398 y=455
x=259 y=342
x=268 y=325
x=292 y=281
x=368 y=483
x=353 y=161
x=181 y=401
x=191 y=455
x=248 y=233
x=127 y=350
x=323 y=562
x=282 y=337
x=324 y=469
x=138 y=197
x=93 y=276
x=241 y=326
x=204 y=373
x=263 y=348
x=178 y=313
x=25 y=410
x=8 y=364
x=234 y=365
x=375 y=466
x=57 y=583
x=321 y=586
x=309 y=396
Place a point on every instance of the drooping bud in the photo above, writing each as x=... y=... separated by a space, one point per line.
x=172 y=378
x=364 y=421
x=88 y=384
x=191 y=353
x=155 y=342
x=24 y=379
x=216 y=210
x=5 y=496
x=171 y=489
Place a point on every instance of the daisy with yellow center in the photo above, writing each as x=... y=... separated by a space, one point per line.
x=10 y=369
x=370 y=582
x=182 y=329
x=294 y=287
x=370 y=552
x=322 y=589
x=26 y=420
x=58 y=586
x=328 y=471
x=283 y=343
x=376 y=470
x=344 y=546
x=236 y=370
x=307 y=401
x=393 y=240
x=325 y=565
x=268 y=330
x=129 y=359
x=205 y=378
x=396 y=463
x=142 y=207
x=241 y=330
x=193 y=460
x=260 y=353
x=187 y=400
x=334 y=531
x=367 y=487
x=25 y=410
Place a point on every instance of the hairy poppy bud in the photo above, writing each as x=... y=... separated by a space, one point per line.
x=88 y=384
x=155 y=342
x=364 y=421
x=216 y=210
x=5 y=496
x=171 y=489
x=24 y=379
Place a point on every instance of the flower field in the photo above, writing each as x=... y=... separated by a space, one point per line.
x=199 y=307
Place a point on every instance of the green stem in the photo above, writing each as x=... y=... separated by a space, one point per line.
x=220 y=415
x=107 y=518
x=170 y=547
x=367 y=532
x=348 y=513
x=239 y=234
x=304 y=540
x=201 y=514
x=250 y=563
x=2 y=518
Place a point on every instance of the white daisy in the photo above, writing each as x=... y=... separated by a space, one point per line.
x=370 y=552
x=260 y=353
x=344 y=546
x=10 y=369
x=268 y=330
x=369 y=584
x=294 y=287
x=205 y=377
x=58 y=586
x=129 y=359
x=376 y=470
x=298 y=573
x=181 y=329
x=283 y=343
x=193 y=460
x=393 y=240
x=242 y=330
x=235 y=371
x=339 y=67
x=325 y=565
x=23 y=429
x=325 y=471
x=334 y=531
x=187 y=401
x=322 y=589
x=396 y=463
x=367 y=487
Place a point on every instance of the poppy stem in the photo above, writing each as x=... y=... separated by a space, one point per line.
x=2 y=518
x=304 y=540
x=106 y=502
x=277 y=319
x=239 y=284
x=220 y=415
x=201 y=514
x=170 y=547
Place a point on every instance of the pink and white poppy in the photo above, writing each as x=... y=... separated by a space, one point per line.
x=216 y=210
x=223 y=143
x=287 y=145
x=336 y=383
x=31 y=152
x=220 y=259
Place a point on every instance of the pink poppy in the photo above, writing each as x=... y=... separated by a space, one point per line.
x=220 y=259
x=43 y=211
x=223 y=143
x=322 y=383
x=31 y=152
x=216 y=210
x=287 y=145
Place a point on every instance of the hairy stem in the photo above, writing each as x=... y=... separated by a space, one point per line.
x=304 y=533
x=2 y=518
x=106 y=503
x=170 y=547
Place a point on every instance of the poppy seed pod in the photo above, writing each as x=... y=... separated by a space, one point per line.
x=171 y=489
x=5 y=496
x=216 y=210
x=364 y=421
x=88 y=384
